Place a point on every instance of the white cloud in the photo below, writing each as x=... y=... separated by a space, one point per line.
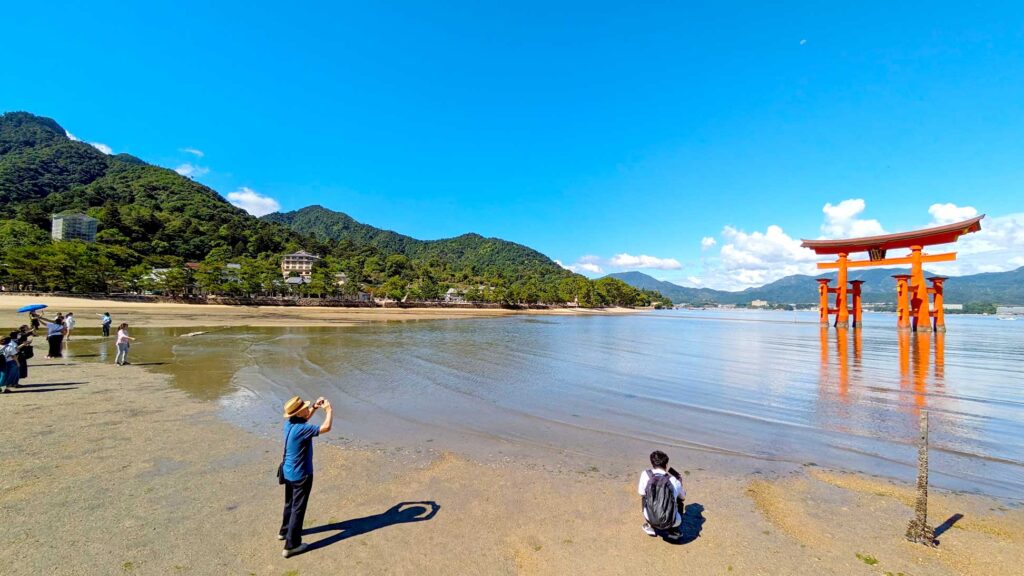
x=949 y=213
x=71 y=136
x=583 y=264
x=841 y=220
x=625 y=260
x=756 y=258
x=191 y=170
x=102 y=147
x=194 y=151
x=707 y=242
x=803 y=41
x=997 y=247
x=253 y=202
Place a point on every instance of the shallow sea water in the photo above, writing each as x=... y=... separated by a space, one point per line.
x=740 y=386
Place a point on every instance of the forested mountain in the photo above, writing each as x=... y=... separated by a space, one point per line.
x=151 y=217
x=879 y=286
x=470 y=252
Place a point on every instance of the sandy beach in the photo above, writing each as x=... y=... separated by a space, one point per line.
x=165 y=315
x=110 y=470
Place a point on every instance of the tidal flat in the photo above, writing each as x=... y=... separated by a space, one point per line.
x=796 y=445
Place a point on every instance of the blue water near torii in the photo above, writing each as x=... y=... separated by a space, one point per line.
x=740 y=386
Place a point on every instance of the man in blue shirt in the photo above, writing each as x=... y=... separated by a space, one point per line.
x=297 y=467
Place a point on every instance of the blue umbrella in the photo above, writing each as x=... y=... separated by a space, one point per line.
x=31 y=308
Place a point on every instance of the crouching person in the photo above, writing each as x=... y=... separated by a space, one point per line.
x=663 y=498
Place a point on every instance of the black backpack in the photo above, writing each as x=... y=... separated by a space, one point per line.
x=660 y=501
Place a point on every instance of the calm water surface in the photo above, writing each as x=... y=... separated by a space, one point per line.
x=742 y=386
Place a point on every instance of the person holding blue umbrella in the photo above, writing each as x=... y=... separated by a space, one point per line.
x=32 y=309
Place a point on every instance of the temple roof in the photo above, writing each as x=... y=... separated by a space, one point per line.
x=945 y=234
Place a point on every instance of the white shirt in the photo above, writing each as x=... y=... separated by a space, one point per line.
x=677 y=489
x=10 y=351
x=69 y=321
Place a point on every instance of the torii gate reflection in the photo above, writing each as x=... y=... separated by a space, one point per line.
x=915 y=361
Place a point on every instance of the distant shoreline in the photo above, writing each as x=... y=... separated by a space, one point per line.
x=157 y=314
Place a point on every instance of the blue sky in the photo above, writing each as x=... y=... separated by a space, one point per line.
x=588 y=131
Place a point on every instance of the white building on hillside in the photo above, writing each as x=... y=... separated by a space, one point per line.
x=300 y=262
x=73 y=226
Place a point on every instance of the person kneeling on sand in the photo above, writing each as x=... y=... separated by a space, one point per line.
x=296 y=470
x=663 y=497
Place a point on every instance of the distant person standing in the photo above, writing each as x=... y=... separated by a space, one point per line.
x=296 y=471
x=123 y=343
x=54 y=335
x=663 y=494
x=105 y=321
x=69 y=326
x=25 y=350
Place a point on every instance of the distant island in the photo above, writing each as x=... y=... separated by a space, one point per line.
x=80 y=221
x=975 y=293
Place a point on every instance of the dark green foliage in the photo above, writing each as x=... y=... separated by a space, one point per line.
x=33 y=173
x=20 y=130
x=470 y=253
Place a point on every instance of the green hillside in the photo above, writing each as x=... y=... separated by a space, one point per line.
x=469 y=254
x=151 y=217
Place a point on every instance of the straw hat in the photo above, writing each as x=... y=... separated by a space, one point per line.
x=294 y=405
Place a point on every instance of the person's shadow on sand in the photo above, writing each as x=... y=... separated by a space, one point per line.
x=693 y=523
x=400 y=513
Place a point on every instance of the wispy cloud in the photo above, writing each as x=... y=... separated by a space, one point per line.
x=71 y=136
x=191 y=170
x=625 y=260
x=102 y=147
x=194 y=151
x=253 y=202
x=591 y=264
x=583 y=264
x=707 y=242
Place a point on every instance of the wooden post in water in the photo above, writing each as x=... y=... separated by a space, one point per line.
x=919 y=530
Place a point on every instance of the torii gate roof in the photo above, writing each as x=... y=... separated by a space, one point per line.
x=945 y=234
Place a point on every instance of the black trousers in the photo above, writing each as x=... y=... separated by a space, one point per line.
x=55 y=348
x=296 y=496
x=23 y=366
x=106 y=330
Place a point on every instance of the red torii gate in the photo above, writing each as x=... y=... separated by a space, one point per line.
x=918 y=315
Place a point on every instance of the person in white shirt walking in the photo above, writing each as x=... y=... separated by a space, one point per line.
x=69 y=325
x=123 y=342
x=661 y=489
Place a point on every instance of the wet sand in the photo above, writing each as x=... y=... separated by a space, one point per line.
x=164 y=315
x=111 y=470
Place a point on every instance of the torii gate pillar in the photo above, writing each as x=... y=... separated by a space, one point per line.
x=919 y=302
